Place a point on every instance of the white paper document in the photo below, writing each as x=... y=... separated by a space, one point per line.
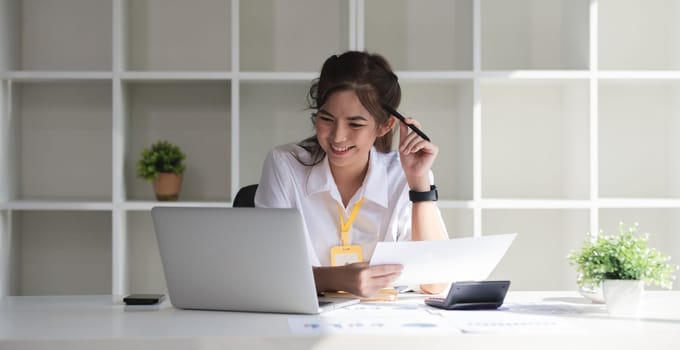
x=458 y=259
x=316 y=326
x=374 y=318
x=509 y=322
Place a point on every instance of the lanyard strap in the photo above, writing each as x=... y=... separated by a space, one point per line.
x=346 y=225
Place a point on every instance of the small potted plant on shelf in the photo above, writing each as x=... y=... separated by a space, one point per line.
x=621 y=265
x=163 y=165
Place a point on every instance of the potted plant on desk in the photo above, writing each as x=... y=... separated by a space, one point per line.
x=163 y=165
x=622 y=264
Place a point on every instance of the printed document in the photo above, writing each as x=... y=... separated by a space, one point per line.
x=458 y=259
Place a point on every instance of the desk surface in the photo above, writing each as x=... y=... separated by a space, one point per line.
x=528 y=320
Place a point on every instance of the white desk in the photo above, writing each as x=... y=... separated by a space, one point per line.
x=538 y=320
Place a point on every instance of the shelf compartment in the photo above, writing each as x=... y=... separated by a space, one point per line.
x=53 y=123
x=148 y=205
x=144 y=259
x=533 y=204
x=272 y=114
x=535 y=74
x=455 y=204
x=278 y=76
x=174 y=76
x=545 y=235
x=175 y=35
x=57 y=76
x=274 y=38
x=9 y=258
x=529 y=34
x=63 y=35
x=9 y=143
x=196 y=116
x=662 y=224
x=412 y=27
x=639 y=35
x=56 y=205
x=459 y=222
x=63 y=252
x=445 y=111
x=638 y=203
x=639 y=150
x=518 y=116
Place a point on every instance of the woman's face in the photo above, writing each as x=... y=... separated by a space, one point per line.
x=346 y=130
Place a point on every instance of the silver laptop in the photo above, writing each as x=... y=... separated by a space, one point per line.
x=238 y=259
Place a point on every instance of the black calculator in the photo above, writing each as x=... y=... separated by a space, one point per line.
x=472 y=295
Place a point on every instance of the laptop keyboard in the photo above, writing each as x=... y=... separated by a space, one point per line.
x=324 y=303
x=435 y=301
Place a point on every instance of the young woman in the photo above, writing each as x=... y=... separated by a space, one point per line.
x=350 y=187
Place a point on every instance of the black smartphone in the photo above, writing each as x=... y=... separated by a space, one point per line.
x=474 y=295
x=143 y=299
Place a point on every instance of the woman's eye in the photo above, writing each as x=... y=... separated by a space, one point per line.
x=320 y=117
x=355 y=125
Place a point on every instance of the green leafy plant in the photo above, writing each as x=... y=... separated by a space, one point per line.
x=162 y=157
x=625 y=256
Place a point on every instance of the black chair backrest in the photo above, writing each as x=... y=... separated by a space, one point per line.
x=245 y=197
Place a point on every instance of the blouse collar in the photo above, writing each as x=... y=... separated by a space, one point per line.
x=374 y=188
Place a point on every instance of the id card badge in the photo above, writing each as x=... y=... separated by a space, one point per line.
x=346 y=254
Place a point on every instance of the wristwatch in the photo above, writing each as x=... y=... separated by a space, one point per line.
x=428 y=196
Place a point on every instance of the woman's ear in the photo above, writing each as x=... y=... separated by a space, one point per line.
x=387 y=127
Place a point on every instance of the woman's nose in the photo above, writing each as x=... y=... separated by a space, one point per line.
x=339 y=133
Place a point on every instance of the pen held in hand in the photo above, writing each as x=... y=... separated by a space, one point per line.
x=415 y=129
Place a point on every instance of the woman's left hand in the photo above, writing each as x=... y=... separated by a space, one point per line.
x=417 y=156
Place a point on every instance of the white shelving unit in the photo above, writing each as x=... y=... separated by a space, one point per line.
x=554 y=118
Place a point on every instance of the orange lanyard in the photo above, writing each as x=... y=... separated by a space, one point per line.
x=345 y=226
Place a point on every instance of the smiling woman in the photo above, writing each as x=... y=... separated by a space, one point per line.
x=351 y=188
x=346 y=136
x=370 y=77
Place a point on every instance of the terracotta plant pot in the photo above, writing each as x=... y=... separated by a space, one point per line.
x=167 y=187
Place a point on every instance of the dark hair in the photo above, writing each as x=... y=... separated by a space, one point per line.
x=370 y=77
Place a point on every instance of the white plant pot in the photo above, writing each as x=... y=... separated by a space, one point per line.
x=623 y=296
x=594 y=294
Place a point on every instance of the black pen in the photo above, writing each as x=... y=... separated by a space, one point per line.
x=391 y=111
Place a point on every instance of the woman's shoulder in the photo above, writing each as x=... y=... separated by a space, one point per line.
x=289 y=152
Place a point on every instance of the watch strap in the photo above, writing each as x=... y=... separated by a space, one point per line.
x=428 y=196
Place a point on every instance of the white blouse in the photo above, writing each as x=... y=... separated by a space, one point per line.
x=384 y=216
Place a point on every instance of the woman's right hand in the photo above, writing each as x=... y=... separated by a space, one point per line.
x=359 y=279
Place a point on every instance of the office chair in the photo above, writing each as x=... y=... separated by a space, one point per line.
x=245 y=197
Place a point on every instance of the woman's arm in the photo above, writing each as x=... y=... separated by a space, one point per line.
x=359 y=278
x=273 y=189
x=426 y=226
x=417 y=156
